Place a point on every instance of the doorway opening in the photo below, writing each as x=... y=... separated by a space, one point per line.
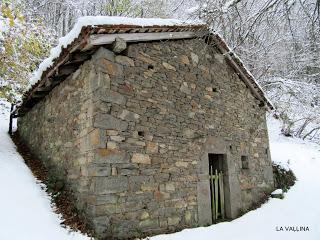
x=216 y=163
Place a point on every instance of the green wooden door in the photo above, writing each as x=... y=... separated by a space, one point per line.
x=217 y=194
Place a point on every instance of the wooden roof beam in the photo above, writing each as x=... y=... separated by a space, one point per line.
x=103 y=39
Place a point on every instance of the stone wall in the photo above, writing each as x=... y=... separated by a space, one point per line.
x=57 y=131
x=131 y=135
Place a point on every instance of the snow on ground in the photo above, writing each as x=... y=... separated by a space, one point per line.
x=277 y=192
x=299 y=208
x=25 y=210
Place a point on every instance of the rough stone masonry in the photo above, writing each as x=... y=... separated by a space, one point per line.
x=130 y=134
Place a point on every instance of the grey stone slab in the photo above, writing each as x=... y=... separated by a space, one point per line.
x=110 y=96
x=114 y=184
x=107 y=121
x=103 y=53
x=204 y=203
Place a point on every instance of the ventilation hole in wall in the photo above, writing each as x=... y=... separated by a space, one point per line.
x=207 y=40
x=125 y=52
x=214 y=89
x=109 y=110
x=150 y=66
x=141 y=133
x=244 y=162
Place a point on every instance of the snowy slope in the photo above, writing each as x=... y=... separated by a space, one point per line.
x=25 y=211
x=300 y=207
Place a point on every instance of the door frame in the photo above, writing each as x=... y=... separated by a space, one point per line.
x=232 y=193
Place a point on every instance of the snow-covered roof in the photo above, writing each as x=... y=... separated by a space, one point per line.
x=77 y=41
x=102 y=21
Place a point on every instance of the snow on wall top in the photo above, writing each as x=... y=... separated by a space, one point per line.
x=100 y=20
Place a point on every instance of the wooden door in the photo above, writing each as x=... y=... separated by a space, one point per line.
x=216 y=187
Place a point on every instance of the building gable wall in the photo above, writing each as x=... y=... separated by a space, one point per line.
x=131 y=135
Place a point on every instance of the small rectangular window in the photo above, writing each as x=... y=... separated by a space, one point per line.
x=244 y=162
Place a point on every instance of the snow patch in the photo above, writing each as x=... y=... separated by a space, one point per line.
x=277 y=192
x=193 y=9
x=25 y=208
x=228 y=4
x=4 y=107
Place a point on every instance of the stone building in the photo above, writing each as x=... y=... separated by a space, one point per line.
x=134 y=117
